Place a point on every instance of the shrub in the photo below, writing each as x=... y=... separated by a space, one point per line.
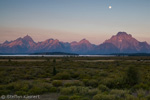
x=103 y=88
x=75 y=97
x=103 y=74
x=140 y=93
x=92 y=92
x=115 y=83
x=35 y=87
x=37 y=90
x=103 y=97
x=84 y=76
x=141 y=86
x=62 y=97
x=52 y=89
x=21 y=93
x=54 y=71
x=74 y=90
x=83 y=90
x=118 y=93
x=148 y=97
x=107 y=81
x=8 y=79
x=54 y=60
x=25 y=87
x=10 y=87
x=78 y=83
x=130 y=97
x=9 y=60
x=75 y=75
x=92 y=83
x=19 y=86
x=57 y=83
x=132 y=76
x=5 y=92
x=68 y=90
x=62 y=76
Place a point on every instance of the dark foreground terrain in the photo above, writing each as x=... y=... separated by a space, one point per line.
x=75 y=78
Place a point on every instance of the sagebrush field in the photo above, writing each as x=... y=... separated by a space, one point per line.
x=76 y=78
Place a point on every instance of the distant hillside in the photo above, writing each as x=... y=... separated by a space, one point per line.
x=53 y=53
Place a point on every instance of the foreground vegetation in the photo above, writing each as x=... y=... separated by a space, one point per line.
x=77 y=78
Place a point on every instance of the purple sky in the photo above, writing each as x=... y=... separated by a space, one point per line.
x=73 y=20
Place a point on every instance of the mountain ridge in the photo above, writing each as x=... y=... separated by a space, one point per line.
x=119 y=43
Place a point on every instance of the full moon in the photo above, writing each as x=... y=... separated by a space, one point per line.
x=110 y=7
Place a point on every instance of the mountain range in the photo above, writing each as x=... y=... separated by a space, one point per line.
x=119 y=43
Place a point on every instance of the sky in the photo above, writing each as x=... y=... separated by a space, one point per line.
x=73 y=20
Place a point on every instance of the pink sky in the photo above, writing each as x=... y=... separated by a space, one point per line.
x=65 y=36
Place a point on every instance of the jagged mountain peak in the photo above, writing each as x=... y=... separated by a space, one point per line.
x=121 y=33
x=27 y=38
x=49 y=40
x=84 y=41
x=56 y=40
x=126 y=43
x=6 y=42
x=74 y=42
x=121 y=37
